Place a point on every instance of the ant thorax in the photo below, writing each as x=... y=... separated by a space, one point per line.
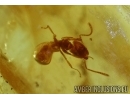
x=65 y=44
x=74 y=48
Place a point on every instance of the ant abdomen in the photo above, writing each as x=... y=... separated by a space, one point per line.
x=43 y=53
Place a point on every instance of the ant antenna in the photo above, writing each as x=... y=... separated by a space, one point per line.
x=87 y=34
x=69 y=63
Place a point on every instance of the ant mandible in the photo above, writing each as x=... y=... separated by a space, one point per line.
x=68 y=45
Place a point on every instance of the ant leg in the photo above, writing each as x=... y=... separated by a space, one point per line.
x=90 y=57
x=54 y=36
x=65 y=51
x=94 y=70
x=69 y=63
x=89 y=33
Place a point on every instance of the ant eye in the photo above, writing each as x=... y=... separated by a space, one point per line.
x=43 y=53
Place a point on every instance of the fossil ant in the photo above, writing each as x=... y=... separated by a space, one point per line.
x=68 y=45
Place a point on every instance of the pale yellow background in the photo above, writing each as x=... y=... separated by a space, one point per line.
x=20 y=33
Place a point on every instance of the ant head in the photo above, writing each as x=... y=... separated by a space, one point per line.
x=43 y=53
